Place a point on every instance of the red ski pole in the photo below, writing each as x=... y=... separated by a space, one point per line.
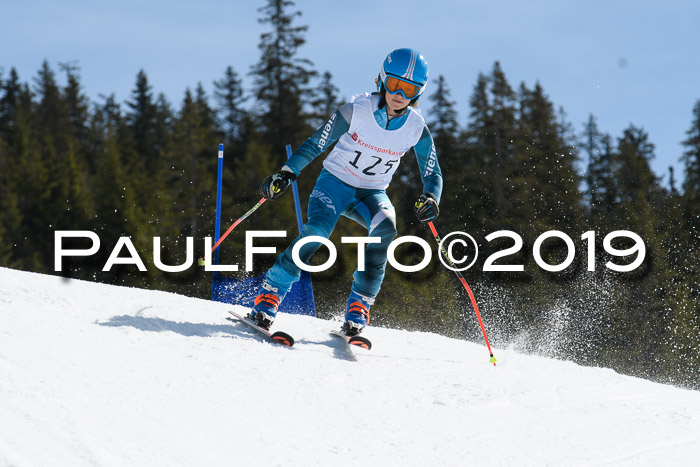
x=466 y=286
x=233 y=226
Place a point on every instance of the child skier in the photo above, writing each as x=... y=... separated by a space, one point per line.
x=373 y=131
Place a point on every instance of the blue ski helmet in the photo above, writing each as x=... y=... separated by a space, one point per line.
x=406 y=65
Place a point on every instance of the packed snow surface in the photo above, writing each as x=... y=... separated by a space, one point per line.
x=92 y=374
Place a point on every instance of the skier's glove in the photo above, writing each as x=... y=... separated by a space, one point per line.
x=426 y=208
x=274 y=185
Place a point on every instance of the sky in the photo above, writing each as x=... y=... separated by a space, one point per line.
x=625 y=62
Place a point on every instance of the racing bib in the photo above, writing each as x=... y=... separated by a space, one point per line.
x=368 y=155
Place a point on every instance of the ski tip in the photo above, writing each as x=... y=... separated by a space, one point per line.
x=360 y=342
x=356 y=341
x=283 y=338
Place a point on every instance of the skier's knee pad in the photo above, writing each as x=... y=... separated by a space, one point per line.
x=386 y=230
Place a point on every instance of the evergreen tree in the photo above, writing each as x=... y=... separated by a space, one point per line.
x=491 y=133
x=22 y=171
x=52 y=113
x=443 y=124
x=57 y=187
x=637 y=186
x=148 y=123
x=546 y=167
x=164 y=120
x=207 y=115
x=11 y=215
x=600 y=177
x=190 y=183
x=9 y=96
x=78 y=114
x=691 y=157
x=144 y=123
x=689 y=247
x=115 y=211
x=111 y=115
x=281 y=79
x=78 y=106
x=458 y=170
x=691 y=183
x=503 y=135
x=477 y=144
x=679 y=345
x=325 y=102
x=672 y=180
x=230 y=98
x=639 y=318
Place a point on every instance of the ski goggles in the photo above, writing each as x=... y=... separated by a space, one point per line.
x=406 y=88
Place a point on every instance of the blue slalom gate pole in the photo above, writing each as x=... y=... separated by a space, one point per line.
x=297 y=204
x=242 y=291
x=219 y=180
x=305 y=275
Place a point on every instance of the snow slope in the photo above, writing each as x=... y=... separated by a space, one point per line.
x=92 y=374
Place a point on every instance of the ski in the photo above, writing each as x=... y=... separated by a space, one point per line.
x=278 y=337
x=357 y=341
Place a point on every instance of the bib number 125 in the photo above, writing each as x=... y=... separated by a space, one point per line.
x=378 y=160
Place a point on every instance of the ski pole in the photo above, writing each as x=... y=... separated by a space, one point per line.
x=466 y=286
x=233 y=226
